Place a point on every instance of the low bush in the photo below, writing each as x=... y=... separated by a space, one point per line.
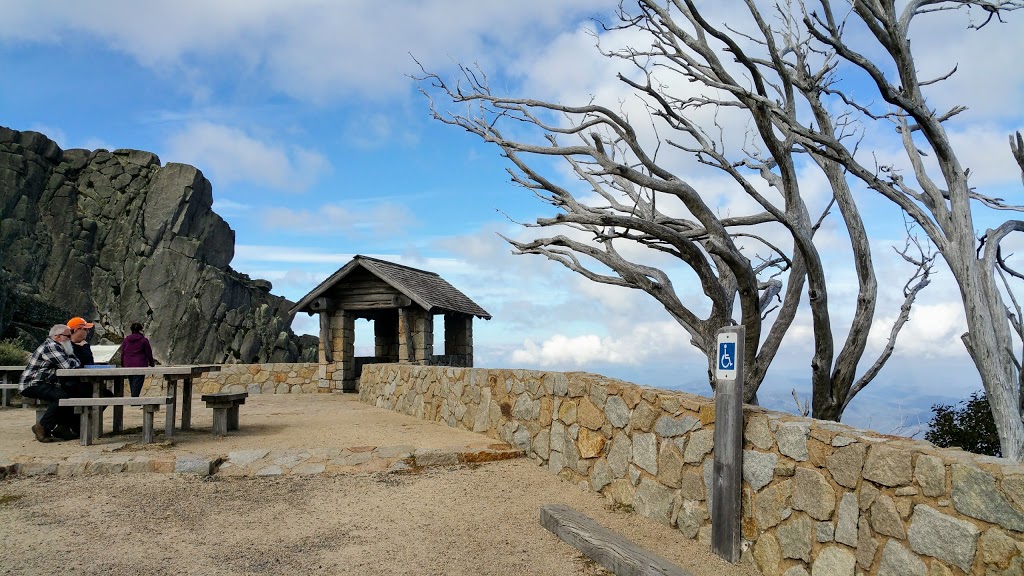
x=968 y=425
x=12 y=353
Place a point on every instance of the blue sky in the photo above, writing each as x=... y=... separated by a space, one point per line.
x=319 y=147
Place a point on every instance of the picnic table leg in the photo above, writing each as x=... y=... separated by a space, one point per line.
x=147 y=423
x=84 y=424
x=233 y=416
x=118 y=410
x=97 y=416
x=220 y=420
x=172 y=393
x=186 y=403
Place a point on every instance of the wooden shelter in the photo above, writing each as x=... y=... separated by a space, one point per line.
x=402 y=302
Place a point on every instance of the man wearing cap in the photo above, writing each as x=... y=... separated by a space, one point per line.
x=39 y=381
x=79 y=335
x=83 y=351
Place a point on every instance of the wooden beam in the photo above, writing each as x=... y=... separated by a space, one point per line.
x=325 y=336
x=613 y=552
x=374 y=303
x=321 y=304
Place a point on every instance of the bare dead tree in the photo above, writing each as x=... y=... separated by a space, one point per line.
x=781 y=72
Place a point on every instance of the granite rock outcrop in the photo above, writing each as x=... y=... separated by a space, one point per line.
x=116 y=237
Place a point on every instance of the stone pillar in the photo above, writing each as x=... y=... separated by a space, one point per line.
x=385 y=332
x=343 y=349
x=458 y=339
x=415 y=335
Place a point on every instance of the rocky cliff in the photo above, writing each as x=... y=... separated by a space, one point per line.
x=115 y=237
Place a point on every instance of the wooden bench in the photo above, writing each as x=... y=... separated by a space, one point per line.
x=225 y=410
x=85 y=408
x=5 y=390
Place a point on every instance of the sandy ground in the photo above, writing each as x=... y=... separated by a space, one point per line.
x=471 y=519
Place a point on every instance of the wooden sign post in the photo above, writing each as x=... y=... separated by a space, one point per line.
x=727 y=485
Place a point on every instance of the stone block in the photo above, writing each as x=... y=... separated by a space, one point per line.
x=643 y=416
x=691 y=517
x=796 y=536
x=833 y=561
x=772 y=505
x=701 y=442
x=813 y=494
x=792 y=440
x=898 y=561
x=975 y=495
x=944 y=537
x=757 y=433
x=888 y=466
x=653 y=501
x=759 y=468
x=645 y=451
x=846 y=463
x=846 y=520
x=885 y=519
x=193 y=464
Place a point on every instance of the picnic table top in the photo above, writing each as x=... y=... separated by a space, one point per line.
x=168 y=370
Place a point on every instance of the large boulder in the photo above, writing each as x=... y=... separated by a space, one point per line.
x=116 y=237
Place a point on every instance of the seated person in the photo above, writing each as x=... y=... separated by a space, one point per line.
x=83 y=351
x=79 y=337
x=39 y=381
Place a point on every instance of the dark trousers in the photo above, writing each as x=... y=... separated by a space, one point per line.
x=55 y=414
x=62 y=415
x=135 y=383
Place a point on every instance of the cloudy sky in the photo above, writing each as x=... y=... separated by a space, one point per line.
x=319 y=146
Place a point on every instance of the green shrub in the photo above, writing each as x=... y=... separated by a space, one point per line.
x=12 y=353
x=968 y=425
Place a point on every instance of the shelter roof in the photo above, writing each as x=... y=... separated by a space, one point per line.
x=426 y=289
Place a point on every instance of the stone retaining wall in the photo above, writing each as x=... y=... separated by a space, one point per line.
x=818 y=497
x=252 y=378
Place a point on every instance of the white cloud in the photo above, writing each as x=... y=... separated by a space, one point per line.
x=311 y=49
x=230 y=155
x=641 y=343
x=933 y=332
x=380 y=221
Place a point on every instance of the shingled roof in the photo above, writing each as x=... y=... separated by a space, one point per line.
x=426 y=289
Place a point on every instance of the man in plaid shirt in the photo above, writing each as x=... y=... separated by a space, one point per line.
x=38 y=381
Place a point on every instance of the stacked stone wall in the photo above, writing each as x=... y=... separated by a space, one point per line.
x=276 y=378
x=819 y=498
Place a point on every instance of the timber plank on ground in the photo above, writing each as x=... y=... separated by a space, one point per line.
x=610 y=550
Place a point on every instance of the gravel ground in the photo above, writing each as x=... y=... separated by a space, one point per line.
x=471 y=519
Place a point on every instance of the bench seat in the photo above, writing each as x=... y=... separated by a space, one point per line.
x=5 y=390
x=84 y=408
x=225 y=410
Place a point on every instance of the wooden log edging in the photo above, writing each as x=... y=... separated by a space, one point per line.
x=615 y=553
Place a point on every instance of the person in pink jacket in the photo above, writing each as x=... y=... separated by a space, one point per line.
x=136 y=353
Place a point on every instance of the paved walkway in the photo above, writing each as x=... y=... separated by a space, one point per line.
x=301 y=434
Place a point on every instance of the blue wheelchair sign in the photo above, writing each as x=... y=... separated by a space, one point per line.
x=726 y=355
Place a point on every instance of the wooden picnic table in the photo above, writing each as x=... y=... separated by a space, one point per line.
x=172 y=375
x=9 y=377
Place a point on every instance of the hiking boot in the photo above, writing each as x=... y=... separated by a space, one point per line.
x=41 y=434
